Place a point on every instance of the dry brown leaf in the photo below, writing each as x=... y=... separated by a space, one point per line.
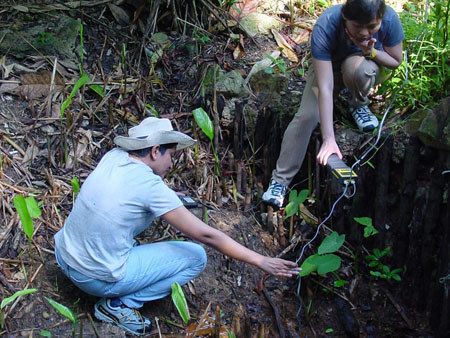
x=239 y=51
x=243 y=7
x=302 y=37
x=35 y=85
x=119 y=14
x=286 y=48
x=8 y=88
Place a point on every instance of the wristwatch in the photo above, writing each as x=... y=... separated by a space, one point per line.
x=372 y=55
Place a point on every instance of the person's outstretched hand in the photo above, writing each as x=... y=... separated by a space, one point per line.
x=279 y=267
x=328 y=148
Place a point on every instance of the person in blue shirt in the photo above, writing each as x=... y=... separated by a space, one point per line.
x=351 y=46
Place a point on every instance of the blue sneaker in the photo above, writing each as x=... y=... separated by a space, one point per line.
x=364 y=118
x=123 y=316
x=274 y=194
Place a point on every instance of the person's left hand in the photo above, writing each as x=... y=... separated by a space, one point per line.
x=279 y=267
x=366 y=46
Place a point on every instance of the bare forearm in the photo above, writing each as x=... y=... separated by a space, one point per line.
x=186 y=222
x=228 y=246
x=384 y=59
x=326 y=115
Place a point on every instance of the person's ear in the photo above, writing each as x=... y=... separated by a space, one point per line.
x=154 y=152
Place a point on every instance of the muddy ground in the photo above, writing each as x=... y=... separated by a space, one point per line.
x=36 y=160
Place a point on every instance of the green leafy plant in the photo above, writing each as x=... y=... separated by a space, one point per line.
x=44 y=38
x=379 y=269
x=10 y=299
x=27 y=208
x=295 y=199
x=339 y=282
x=75 y=188
x=204 y=122
x=152 y=109
x=369 y=229
x=324 y=261
x=80 y=83
x=65 y=311
x=278 y=64
x=179 y=300
x=293 y=207
x=427 y=44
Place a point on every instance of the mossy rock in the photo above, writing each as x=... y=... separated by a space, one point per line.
x=47 y=37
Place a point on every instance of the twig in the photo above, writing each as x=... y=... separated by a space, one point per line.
x=294 y=241
x=81 y=315
x=335 y=292
x=157 y=326
x=398 y=308
x=276 y=312
x=26 y=287
x=14 y=145
x=93 y=325
x=202 y=319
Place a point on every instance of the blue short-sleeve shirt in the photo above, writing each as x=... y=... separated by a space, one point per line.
x=329 y=42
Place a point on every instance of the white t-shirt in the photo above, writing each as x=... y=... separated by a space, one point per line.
x=118 y=200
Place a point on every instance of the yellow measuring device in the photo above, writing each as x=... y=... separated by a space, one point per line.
x=340 y=171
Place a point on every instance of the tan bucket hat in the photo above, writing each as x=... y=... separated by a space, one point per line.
x=150 y=132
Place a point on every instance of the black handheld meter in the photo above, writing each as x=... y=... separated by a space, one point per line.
x=188 y=202
x=340 y=171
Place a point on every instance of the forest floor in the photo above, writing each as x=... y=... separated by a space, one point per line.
x=37 y=147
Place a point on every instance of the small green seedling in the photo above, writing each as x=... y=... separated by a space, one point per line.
x=369 y=229
x=379 y=269
x=206 y=125
x=10 y=299
x=293 y=207
x=80 y=83
x=179 y=300
x=279 y=64
x=65 y=311
x=324 y=261
x=75 y=188
x=27 y=208
x=295 y=199
x=152 y=109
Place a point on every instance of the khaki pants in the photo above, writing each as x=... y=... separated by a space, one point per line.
x=359 y=75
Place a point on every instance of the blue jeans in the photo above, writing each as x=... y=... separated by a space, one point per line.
x=151 y=269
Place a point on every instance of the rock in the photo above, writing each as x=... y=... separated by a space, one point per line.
x=255 y=23
x=433 y=126
x=231 y=84
x=346 y=317
x=50 y=37
x=227 y=83
x=269 y=84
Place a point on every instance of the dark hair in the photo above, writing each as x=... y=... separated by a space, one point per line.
x=144 y=152
x=363 y=11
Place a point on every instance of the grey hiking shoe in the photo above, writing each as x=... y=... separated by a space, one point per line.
x=123 y=316
x=364 y=118
x=274 y=194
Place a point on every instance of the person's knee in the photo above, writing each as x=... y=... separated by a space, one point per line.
x=357 y=71
x=202 y=257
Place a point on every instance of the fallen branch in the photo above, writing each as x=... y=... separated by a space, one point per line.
x=276 y=313
x=398 y=308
